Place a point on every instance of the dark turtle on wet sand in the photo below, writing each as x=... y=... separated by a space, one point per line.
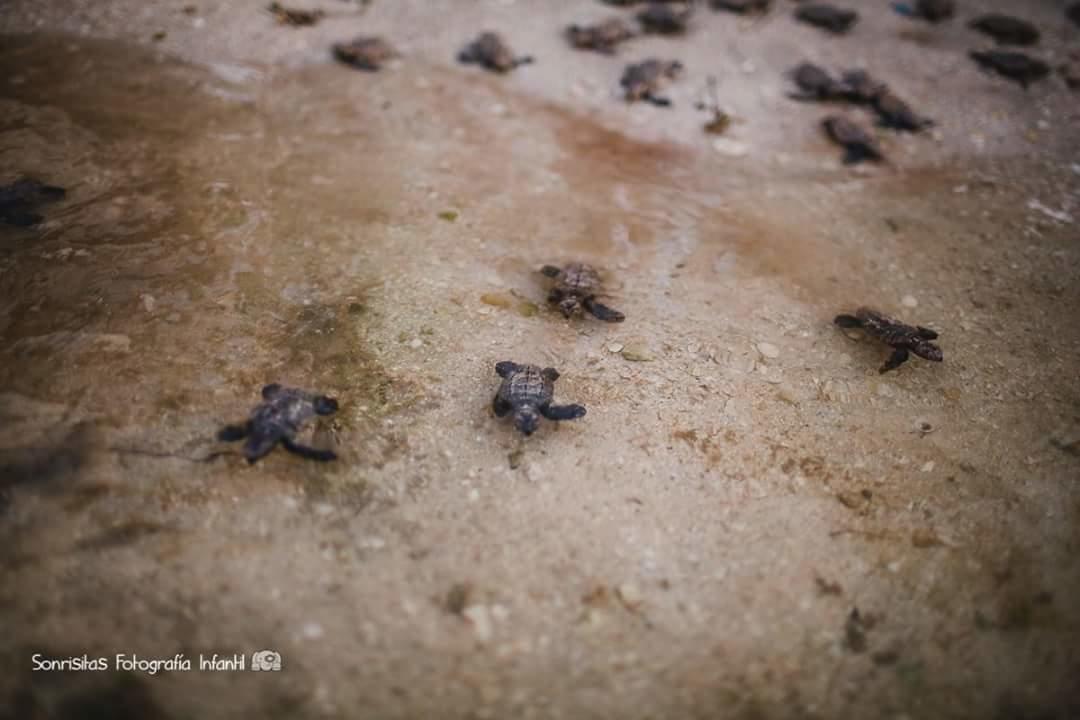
x=528 y=392
x=642 y=81
x=815 y=83
x=857 y=142
x=665 y=18
x=491 y=52
x=1015 y=66
x=603 y=37
x=903 y=339
x=278 y=418
x=746 y=7
x=827 y=17
x=365 y=52
x=20 y=199
x=1005 y=29
x=294 y=17
x=577 y=286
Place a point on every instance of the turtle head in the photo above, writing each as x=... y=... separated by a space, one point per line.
x=325 y=405
x=569 y=305
x=928 y=350
x=526 y=419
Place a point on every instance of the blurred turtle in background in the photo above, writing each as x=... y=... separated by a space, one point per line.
x=858 y=144
x=365 y=52
x=1015 y=66
x=491 y=52
x=642 y=81
x=827 y=17
x=1006 y=29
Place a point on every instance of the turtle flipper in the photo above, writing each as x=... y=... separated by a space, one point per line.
x=898 y=358
x=501 y=406
x=550 y=271
x=926 y=333
x=563 y=412
x=308 y=452
x=232 y=433
x=603 y=312
x=847 y=321
x=505 y=368
x=657 y=100
x=258 y=445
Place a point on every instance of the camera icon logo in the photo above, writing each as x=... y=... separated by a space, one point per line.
x=266 y=661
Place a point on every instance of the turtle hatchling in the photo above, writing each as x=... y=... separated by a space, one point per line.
x=293 y=16
x=903 y=339
x=643 y=80
x=576 y=286
x=528 y=391
x=815 y=83
x=1006 y=29
x=935 y=10
x=603 y=37
x=858 y=143
x=745 y=7
x=827 y=17
x=365 y=53
x=665 y=18
x=1015 y=66
x=490 y=51
x=278 y=418
x=20 y=199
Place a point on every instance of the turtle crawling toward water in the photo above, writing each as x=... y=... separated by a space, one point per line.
x=815 y=83
x=1015 y=66
x=904 y=339
x=278 y=418
x=528 y=392
x=603 y=37
x=489 y=50
x=858 y=144
x=20 y=199
x=827 y=17
x=365 y=52
x=665 y=18
x=642 y=81
x=576 y=286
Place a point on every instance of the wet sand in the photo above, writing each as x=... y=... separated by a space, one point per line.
x=751 y=522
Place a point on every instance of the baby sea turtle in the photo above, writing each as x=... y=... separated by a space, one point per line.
x=527 y=391
x=1006 y=29
x=1015 y=66
x=490 y=51
x=815 y=83
x=665 y=18
x=603 y=37
x=827 y=17
x=365 y=52
x=745 y=7
x=20 y=199
x=576 y=286
x=897 y=114
x=277 y=419
x=935 y=10
x=641 y=81
x=904 y=339
x=862 y=87
x=857 y=142
x=294 y=17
